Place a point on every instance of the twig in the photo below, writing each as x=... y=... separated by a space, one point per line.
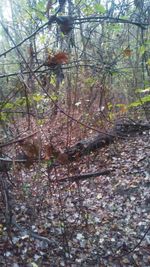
x=18 y=140
x=45 y=91
x=31 y=233
x=65 y=67
x=113 y=20
x=84 y=176
x=24 y=40
x=134 y=248
x=78 y=20
x=51 y=20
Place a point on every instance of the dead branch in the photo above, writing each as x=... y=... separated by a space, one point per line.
x=31 y=233
x=17 y=140
x=85 y=176
x=119 y=131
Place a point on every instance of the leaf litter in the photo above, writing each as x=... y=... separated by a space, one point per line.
x=95 y=222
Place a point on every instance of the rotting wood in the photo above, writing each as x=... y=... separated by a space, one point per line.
x=121 y=130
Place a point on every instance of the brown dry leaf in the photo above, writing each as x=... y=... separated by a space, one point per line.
x=77 y=156
x=60 y=58
x=29 y=163
x=114 y=227
x=62 y=158
x=57 y=59
x=30 y=148
x=48 y=7
x=48 y=149
x=123 y=109
x=50 y=152
x=30 y=51
x=127 y=52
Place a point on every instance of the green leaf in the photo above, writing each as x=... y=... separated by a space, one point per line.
x=42 y=39
x=49 y=163
x=114 y=73
x=40 y=16
x=88 y=10
x=3 y=117
x=145 y=90
x=90 y=81
x=109 y=105
x=148 y=62
x=37 y=97
x=146 y=83
x=147 y=42
x=54 y=97
x=100 y=8
x=40 y=122
x=142 y=49
x=25 y=188
x=20 y=102
x=81 y=2
x=142 y=101
x=124 y=17
x=53 y=80
x=145 y=99
x=9 y=106
x=135 y=104
x=40 y=6
x=119 y=105
x=114 y=27
x=62 y=225
x=111 y=115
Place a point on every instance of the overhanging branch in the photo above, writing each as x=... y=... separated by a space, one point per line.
x=77 y=21
x=111 y=20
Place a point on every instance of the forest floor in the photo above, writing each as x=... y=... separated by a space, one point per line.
x=99 y=222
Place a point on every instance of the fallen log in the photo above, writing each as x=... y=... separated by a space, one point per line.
x=121 y=130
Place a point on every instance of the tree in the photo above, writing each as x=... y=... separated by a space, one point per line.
x=69 y=69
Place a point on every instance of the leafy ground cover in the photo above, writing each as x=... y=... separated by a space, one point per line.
x=101 y=221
